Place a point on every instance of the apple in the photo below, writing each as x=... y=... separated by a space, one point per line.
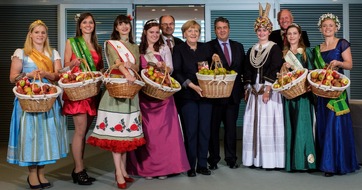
x=52 y=90
x=22 y=83
x=20 y=90
x=336 y=75
x=314 y=75
x=65 y=75
x=321 y=76
x=276 y=85
x=344 y=81
x=329 y=77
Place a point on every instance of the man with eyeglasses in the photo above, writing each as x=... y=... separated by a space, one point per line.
x=167 y=23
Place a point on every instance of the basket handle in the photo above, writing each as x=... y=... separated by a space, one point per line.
x=84 y=61
x=216 y=62
x=109 y=70
x=37 y=76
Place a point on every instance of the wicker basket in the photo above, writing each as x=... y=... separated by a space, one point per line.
x=37 y=103
x=294 y=88
x=121 y=88
x=82 y=90
x=327 y=91
x=156 y=90
x=216 y=86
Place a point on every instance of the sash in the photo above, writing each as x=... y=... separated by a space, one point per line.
x=123 y=52
x=150 y=57
x=81 y=50
x=293 y=60
x=338 y=105
x=42 y=61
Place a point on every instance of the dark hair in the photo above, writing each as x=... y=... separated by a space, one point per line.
x=221 y=19
x=119 y=20
x=94 y=39
x=144 y=44
x=160 y=20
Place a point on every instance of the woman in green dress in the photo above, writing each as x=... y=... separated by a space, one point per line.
x=299 y=111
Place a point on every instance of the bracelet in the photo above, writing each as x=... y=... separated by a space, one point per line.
x=341 y=65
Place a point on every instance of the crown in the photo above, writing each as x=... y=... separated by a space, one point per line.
x=76 y=17
x=151 y=21
x=329 y=16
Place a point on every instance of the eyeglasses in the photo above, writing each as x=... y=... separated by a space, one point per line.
x=168 y=24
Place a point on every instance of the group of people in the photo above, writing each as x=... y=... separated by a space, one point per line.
x=155 y=138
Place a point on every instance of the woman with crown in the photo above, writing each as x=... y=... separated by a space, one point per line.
x=36 y=139
x=164 y=153
x=336 y=152
x=263 y=131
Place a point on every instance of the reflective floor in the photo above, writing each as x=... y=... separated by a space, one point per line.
x=100 y=165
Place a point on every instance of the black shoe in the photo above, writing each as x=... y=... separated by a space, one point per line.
x=92 y=179
x=232 y=165
x=203 y=171
x=33 y=186
x=45 y=185
x=213 y=167
x=191 y=173
x=81 y=178
x=328 y=174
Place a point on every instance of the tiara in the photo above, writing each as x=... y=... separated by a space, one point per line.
x=76 y=17
x=151 y=21
x=329 y=16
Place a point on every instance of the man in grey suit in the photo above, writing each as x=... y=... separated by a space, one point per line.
x=167 y=23
x=226 y=110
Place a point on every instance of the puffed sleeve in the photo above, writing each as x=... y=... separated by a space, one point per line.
x=18 y=53
x=344 y=45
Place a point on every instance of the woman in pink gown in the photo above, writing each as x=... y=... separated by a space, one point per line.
x=164 y=153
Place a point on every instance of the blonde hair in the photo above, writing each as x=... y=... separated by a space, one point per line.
x=190 y=24
x=28 y=45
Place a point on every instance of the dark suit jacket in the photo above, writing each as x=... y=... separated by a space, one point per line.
x=185 y=67
x=276 y=37
x=178 y=41
x=237 y=64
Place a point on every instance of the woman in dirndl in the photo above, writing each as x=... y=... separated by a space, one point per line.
x=263 y=131
x=36 y=139
x=119 y=125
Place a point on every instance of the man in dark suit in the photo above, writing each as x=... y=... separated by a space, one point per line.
x=285 y=19
x=226 y=110
x=167 y=23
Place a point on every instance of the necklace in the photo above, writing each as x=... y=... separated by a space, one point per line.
x=259 y=59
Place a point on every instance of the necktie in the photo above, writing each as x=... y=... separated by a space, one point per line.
x=226 y=53
x=284 y=38
x=168 y=41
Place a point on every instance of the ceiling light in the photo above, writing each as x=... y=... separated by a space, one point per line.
x=153 y=10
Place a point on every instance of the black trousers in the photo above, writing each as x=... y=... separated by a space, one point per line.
x=228 y=114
